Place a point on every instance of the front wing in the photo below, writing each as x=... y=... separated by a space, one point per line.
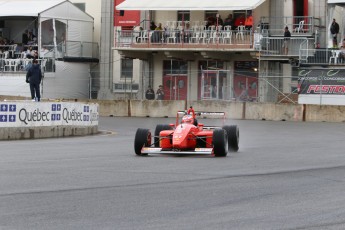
x=151 y=150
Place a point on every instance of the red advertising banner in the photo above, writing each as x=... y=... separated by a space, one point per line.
x=125 y=18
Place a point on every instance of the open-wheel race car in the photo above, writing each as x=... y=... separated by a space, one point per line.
x=188 y=137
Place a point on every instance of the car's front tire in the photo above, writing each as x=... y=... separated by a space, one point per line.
x=233 y=137
x=142 y=139
x=220 y=145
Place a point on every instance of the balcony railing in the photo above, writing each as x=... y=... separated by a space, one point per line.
x=75 y=49
x=298 y=26
x=207 y=39
x=321 y=57
x=276 y=46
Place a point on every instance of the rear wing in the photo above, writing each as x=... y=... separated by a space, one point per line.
x=201 y=114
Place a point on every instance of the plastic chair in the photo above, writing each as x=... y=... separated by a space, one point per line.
x=300 y=27
x=10 y=65
x=226 y=36
x=172 y=37
x=195 y=38
x=214 y=37
x=143 y=37
x=240 y=32
x=333 y=57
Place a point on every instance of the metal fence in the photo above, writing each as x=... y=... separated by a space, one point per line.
x=182 y=38
x=298 y=25
x=214 y=85
x=322 y=56
x=280 y=46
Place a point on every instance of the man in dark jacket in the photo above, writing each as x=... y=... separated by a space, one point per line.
x=34 y=77
x=334 y=31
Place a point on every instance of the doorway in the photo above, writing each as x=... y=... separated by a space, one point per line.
x=175 y=87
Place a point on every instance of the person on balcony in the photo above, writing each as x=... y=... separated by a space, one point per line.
x=220 y=20
x=334 y=32
x=287 y=36
x=239 y=21
x=249 y=21
x=25 y=37
x=157 y=35
x=153 y=25
x=187 y=33
x=229 y=21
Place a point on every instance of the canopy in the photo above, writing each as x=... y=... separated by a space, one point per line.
x=26 y=8
x=200 y=5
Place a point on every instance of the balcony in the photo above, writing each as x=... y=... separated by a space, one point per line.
x=199 y=40
x=76 y=51
x=321 y=57
x=274 y=47
x=304 y=26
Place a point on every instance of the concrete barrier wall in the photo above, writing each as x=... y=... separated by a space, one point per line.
x=116 y=108
x=325 y=113
x=273 y=112
x=155 y=108
x=234 y=110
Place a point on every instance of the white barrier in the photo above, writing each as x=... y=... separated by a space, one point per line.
x=26 y=119
x=33 y=114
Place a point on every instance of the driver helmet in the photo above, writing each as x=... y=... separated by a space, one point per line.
x=187 y=119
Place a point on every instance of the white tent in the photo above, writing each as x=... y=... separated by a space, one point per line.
x=58 y=21
x=61 y=28
x=336 y=1
x=201 y=5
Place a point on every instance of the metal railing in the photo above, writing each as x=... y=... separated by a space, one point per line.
x=298 y=25
x=80 y=49
x=321 y=57
x=280 y=46
x=186 y=39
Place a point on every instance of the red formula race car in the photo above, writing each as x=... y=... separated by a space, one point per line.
x=188 y=137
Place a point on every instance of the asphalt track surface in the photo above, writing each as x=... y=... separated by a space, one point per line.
x=286 y=175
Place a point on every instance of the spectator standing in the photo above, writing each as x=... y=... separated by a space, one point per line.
x=34 y=77
x=220 y=20
x=287 y=36
x=152 y=26
x=229 y=21
x=25 y=37
x=160 y=93
x=249 y=21
x=239 y=21
x=334 y=32
x=150 y=94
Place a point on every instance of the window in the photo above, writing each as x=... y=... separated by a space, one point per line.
x=211 y=65
x=81 y=6
x=211 y=14
x=125 y=87
x=183 y=15
x=174 y=67
x=127 y=68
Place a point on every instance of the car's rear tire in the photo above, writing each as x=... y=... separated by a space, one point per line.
x=233 y=137
x=220 y=145
x=142 y=138
x=158 y=129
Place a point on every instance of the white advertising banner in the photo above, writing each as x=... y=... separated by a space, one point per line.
x=35 y=114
